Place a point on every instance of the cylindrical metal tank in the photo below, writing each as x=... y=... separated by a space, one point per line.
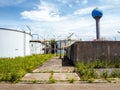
x=14 y=43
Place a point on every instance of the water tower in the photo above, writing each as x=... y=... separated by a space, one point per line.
x=97 y=14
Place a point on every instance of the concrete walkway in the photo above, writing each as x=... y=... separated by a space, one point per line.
x=86 y=86
x=54 y=70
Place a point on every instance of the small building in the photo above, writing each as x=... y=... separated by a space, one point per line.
x=37 y=47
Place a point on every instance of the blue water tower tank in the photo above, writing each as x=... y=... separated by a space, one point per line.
x=97 y=13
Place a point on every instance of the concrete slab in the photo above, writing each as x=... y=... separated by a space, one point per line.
x=36 y=76
x=55 y=69
x=46 y=76
x=65 y=76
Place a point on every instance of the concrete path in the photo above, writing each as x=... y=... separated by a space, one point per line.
x=54 y=70
x=85 y=86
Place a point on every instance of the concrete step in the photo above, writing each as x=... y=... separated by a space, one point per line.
x=55 y=69
x=45 y=77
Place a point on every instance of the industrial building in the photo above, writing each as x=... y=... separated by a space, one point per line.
x=37 y=47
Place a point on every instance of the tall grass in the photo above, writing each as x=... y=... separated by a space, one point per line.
x=86 y=70
x=12 y=69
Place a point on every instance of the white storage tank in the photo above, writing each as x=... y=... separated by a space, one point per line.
x=14 y=43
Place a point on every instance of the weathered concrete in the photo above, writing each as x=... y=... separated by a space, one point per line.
x=44 y=77
x=55 y=65
x=36 y=76
x=54 y=68
x=93 y=86
x=66 y=76
x=85 y=51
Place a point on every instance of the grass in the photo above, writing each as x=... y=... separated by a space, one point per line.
x=99 y=63
x=35 y=81
x=12 y=69
x=91 y=80
x=104 y=75
x=115 y=74
x=72 y=80
x=87 y=73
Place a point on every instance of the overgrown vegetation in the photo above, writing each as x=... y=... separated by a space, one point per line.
x=104 y=74
x=87 y=71
x=115 y=74
x=12 y=69
x=105 y=63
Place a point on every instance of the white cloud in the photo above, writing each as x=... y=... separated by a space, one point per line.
x=78 y=26
x=45 y=12
x=85 y=1
x=84 y=11
x=10 y=2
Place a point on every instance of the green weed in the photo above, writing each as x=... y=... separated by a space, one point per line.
x=85 y=72
x=104 y=74
x=35 y=81
x=115 y=74
x=72 y=80
x=51 y=79
x=12 y=69
x=90 y=80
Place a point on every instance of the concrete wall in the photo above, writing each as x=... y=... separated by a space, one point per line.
x=86 y=51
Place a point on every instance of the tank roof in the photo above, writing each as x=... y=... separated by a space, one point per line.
x=14 y=30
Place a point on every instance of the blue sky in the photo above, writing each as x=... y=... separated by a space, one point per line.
x=59 y=18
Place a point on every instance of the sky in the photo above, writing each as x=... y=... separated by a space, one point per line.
x=60 y=18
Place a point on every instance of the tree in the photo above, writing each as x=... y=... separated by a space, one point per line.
x=53 y=44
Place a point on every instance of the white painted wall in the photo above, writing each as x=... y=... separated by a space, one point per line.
x=37 y=48
x=14 y=43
